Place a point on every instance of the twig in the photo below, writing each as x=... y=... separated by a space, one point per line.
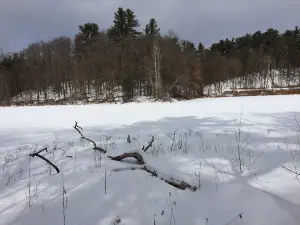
x=297 y=174
x=76 y=127
x=175 y=82
x=44 y=149
x=149 y=144
x=43 y=158
x=238 y=215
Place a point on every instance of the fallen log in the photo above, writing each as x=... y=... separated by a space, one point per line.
x=182 y=185
x=135 y=155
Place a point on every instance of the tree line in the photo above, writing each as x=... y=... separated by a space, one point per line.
x=123 y=61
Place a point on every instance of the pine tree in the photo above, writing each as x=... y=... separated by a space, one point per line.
x=89 y=30
x=131 y=24
x=125 y=24
x=188 y=46
x=151 y=29
x=201 y=48
x=84 y=40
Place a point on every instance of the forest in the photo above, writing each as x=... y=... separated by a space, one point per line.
x=129 y=61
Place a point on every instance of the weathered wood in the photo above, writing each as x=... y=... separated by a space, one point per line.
x=182 y=185
x=135 y=155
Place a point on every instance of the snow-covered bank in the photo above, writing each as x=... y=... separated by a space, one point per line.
x=273 y=80
x=201 y=136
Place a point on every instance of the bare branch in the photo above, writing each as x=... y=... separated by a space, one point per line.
x=76 y=127
x=44 y=149
x=240 y=215
x=149 y=144
x=175 y=82
x=43 y=158
x=297 y=174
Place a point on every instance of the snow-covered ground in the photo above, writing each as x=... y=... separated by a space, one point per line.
x=235 y=146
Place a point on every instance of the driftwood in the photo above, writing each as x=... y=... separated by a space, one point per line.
x=78 y=128
x=182 y=185
x=43 y=158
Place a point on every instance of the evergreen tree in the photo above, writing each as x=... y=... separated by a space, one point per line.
x=84 y=40
x=131 y=24
x=152 y=29
x=201 y=48
x=270 y=38
x=188 y=46
x=125 y=24
x=89 y=30
x=257 y=40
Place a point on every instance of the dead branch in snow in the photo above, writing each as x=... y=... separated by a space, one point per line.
x=44 y=149
x=135 y=155
x=134 y=167
x=297 y=174
x=240 y=215
x=43 y=158
x=149 y=145
x=78 y=128
x=182 y=185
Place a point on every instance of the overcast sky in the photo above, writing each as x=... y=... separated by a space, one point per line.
x=27 y=21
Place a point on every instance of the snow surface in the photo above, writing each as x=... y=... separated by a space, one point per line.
x=208 y=133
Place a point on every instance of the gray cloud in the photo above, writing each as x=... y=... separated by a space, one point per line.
x=23 y=22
